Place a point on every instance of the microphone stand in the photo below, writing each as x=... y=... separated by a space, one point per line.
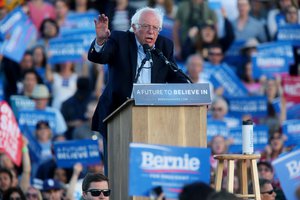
x=172 y=66
x=140 y=69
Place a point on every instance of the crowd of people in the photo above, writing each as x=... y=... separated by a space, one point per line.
x=203 y=37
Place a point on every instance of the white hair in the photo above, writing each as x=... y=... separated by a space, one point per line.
x=136 y=17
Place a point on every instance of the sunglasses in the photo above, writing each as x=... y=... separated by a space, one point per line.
x=14 y=198
x=217 y=109
x=264 y=169
x=268 y=192
x=33 y=195
x=96 y=192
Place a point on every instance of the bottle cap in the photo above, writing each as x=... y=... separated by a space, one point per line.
x=248 y=122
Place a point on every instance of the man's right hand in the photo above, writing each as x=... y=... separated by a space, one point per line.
x=102 y=31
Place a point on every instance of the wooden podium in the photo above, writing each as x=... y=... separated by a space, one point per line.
x=168 y=125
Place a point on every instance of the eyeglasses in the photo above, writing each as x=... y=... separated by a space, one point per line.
x=268 y=192
x=33 y=195
x=96 y=192
x=149 y=27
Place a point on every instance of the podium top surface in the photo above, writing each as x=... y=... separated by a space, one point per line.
x=124 y=105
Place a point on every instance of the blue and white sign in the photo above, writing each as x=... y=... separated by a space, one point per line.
x=282 y=48
x=167 y=166
x=11 y=20
x=65 y=50
x=293 y=112
x=19 y=102
x=292 y=130
x=34 y=147
x=68 y=153
x=249 y=105
x=31 y=117
x=20 y=38
x=171 y=94
x=233 y=54
x=289 y=33
x=81 y=20
x=86 y=34
x=260 y=138
x=215 y=4
x=287 y=169
x=232 y=85
x=269 y=65
x=216 y=127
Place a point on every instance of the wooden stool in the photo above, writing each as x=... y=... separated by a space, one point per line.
x=243 y=177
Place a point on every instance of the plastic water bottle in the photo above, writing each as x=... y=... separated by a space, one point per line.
x=247 y=134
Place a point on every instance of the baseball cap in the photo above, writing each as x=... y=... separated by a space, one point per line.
x=51 y=184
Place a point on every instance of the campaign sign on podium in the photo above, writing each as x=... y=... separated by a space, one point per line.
x=171 y=94
x=169 y=167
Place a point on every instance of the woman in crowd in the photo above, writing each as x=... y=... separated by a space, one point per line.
x=14 y=193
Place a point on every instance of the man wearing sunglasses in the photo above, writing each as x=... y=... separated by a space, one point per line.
x=95 y=186
x=266 y=190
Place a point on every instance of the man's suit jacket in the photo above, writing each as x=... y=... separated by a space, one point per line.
x=120 y=52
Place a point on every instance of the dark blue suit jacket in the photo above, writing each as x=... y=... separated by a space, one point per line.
x=120 y=52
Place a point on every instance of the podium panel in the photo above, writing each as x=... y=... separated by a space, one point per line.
x=166 y=125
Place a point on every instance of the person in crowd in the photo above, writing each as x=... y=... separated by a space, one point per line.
x=41 y=96
x=73 y=109
x=194 y=67
x=259 y=10
x=218 y=145
x=95 y=186
x=292 y=15
x=33 y=194
x=43 y=134
x=40 y=10
x=119 y=12
x=276 y=17
x=254 y=86
x=30 y=80
x=275 y=147
x=14 y=193
x=61 y=11
x=145 y=27
x=82 y=6
x=219 y=108
x=196 y=191
x=40 y=61
x=272 y=89
x=49 y=29
x=52 y=189
x=168 y=7
x=266 y=190
x=27 y=61
x=190 y=14
x=6 y=180
x=245 y=26
x=201 y=38
x=63 y=82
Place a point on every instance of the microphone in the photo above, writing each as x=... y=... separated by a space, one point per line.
x=147 y=51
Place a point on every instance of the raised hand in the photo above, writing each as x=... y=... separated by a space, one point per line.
x=102 y=31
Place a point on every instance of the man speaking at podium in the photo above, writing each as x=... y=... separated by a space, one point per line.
x=136 y=56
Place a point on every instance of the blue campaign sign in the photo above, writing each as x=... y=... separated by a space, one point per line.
x=20 y=38
x=34 y=147
x=232 y=85
x=233 y=54
x=249 y=105
x=65 y=50
x=216 y=127
x=260 y=138
x=19 y=102
x=281 y=48
x=167 y=166
x=292 y=130
x=269 y=65
x=289 y=33
x=13 y=18
x=31 y=117
x=86 y=34
x=1 y=89
x=81 y=20
x=287 y=169
x=215 y=4
x=68 y=153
